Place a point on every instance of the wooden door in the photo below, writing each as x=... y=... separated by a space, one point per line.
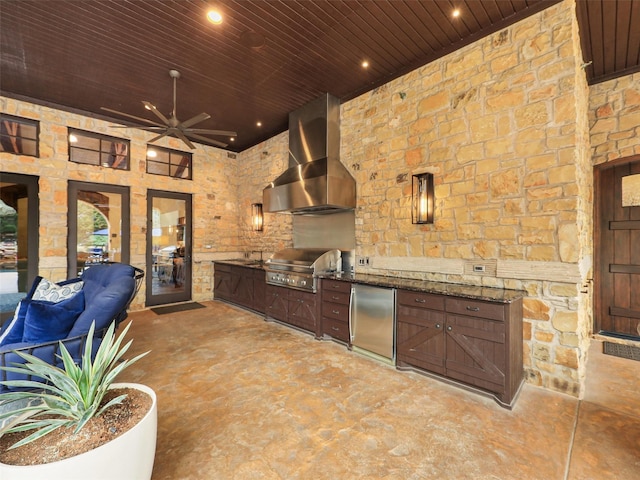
x=617 y=249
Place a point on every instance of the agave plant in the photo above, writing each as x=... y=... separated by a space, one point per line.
x=70 y=397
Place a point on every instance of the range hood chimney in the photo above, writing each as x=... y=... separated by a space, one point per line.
x=316 y=181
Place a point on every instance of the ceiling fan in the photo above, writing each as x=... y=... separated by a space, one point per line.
x=172 y=126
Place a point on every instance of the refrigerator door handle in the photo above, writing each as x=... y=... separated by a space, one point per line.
x=352 y=294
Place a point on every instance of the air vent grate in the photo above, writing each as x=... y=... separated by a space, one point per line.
x=623 y=351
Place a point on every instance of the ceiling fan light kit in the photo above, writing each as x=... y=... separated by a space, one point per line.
x=172 y=126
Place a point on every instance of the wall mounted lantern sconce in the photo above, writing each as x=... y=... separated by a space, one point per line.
x=422 y=198
x=257 y=219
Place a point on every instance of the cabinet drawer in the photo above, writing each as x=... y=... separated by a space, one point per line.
x=336 y=297
x=335 y=286
x=420 y=300
x=336 y=311
x=476 y=308
x=336 y=329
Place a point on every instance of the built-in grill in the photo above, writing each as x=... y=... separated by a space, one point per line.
x=299 y=268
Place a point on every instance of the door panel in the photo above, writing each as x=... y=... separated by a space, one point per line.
x=18 y=236
x=98 y=225
x=617 y=249
x=168 y=247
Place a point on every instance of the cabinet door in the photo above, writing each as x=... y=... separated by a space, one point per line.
x=476 y=351
x=420 y=338
x=276 y=302
x=302 y=310
x=242 y=286
x=259 y=288
x=222 y=283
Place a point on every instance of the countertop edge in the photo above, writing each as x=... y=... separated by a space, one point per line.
x=473 y=292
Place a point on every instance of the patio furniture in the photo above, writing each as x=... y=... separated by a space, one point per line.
x=102 y=294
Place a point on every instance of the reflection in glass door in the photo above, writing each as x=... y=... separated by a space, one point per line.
x=98 y=225
x=168 y=247
x=18 y=238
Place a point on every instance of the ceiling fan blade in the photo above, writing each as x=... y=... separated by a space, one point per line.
x=182 y=137
x=197 y=119
x=163 y=134
x=210 y=132
x=156 y=112
x=208 y=140
x=140 y=119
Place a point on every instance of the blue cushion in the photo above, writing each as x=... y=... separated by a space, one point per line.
x=13 y=333
x=104 y=304
x=49 y=321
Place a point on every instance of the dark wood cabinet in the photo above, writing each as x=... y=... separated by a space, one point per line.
x=335 y=309
x=222 y=281
x=303 y=311
x=276 y=303
x=244 y=286
x=259 y=289
x=474 y=342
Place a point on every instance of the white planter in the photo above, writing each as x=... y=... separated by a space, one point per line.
x=128 y=457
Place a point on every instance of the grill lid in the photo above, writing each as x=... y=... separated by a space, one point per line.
x=311 y=259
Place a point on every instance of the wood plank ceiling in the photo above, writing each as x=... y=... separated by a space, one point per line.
x=266 y=59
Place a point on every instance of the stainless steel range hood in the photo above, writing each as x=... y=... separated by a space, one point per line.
x=316 y=181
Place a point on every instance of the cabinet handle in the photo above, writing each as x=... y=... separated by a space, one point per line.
x=473 y=309
x=335 y=312
x=420 y=300
x=335 y=329
x=335 y=298
x=335 y=286
x=437 y=325
x=449 y=328
x=412 y=349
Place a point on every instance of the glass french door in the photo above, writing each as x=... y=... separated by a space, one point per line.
x=19 y=237
x=99 y=226
x=168 y=247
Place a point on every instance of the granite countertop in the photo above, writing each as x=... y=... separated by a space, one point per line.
x=490 y=294
x=475 y=292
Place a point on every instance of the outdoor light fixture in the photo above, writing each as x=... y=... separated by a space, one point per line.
x=422 y=198
x=257 y=219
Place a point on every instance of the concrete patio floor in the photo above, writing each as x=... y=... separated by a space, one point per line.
x=241 y=398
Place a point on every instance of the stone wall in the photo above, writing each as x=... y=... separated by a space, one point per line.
x=502 y=124
x=257 y=167
x=614 y=116
x=214 y=188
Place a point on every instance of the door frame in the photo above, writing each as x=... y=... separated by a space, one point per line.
x=33 y=220
x=185 y=295
x=597 y=252
x=72 y=248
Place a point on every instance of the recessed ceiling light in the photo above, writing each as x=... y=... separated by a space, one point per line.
x=152 y=153
x=365 y=64
x=232 y=139
x=72 y=138
x=259 y=124
x=214 y=17
x=456 y=13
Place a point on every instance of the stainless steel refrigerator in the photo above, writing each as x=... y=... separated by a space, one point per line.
x=372 y=322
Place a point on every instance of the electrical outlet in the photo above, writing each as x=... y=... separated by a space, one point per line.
x=479 y=268
x=366 y=261
x=363 y=261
